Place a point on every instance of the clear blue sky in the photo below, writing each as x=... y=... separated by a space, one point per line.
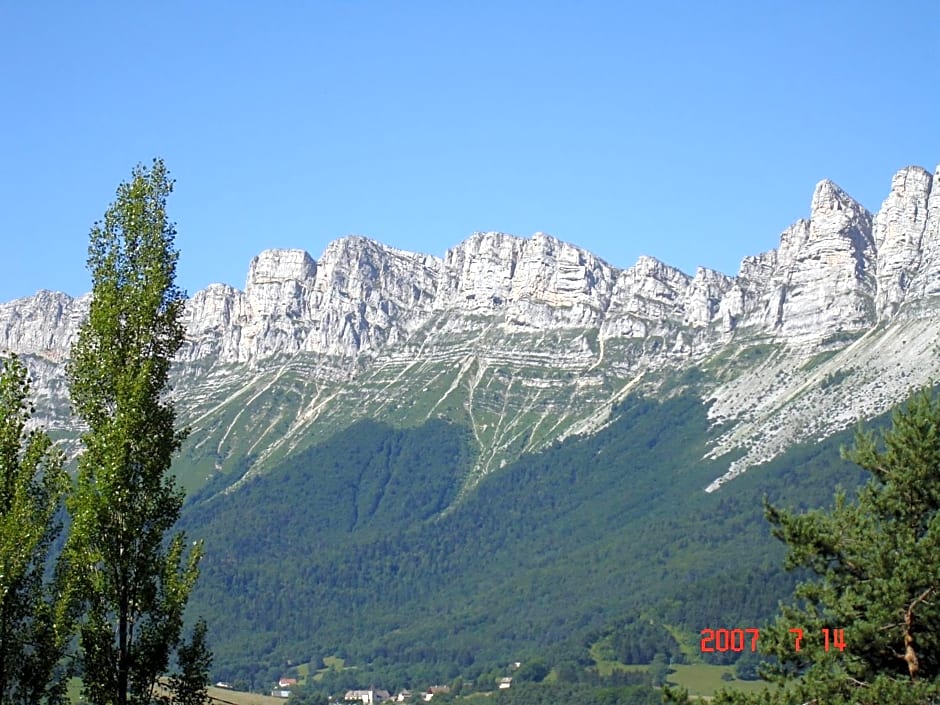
x=690 y=131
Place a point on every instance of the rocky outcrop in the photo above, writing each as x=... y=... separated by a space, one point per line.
x=278 y=283
x=898 y=232
x=755 y=295
x=829 y=268
x=926 y=281
x=44 y=324
x=819 y=280
x=648 y=299
x=703 y=297
x=540 y=282
x=214 y=320
x=839 y=270
x=358 y=298
x=367 y=296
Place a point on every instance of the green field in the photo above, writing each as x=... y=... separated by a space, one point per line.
x=330 y=663
x=236 y=697
x=703 y=679
x=216 y=695
x=75 y=690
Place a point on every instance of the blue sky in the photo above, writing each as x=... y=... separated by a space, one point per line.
x=690 y=131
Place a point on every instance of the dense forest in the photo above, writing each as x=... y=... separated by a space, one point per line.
x=361 y=548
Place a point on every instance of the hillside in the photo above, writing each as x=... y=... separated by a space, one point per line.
x=332 y=553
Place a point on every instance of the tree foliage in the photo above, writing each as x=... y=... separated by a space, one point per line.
x=34 y=630
x=875 y=563
x=132 y=582
x=293 y=551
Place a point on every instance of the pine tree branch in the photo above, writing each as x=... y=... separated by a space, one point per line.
x=910 y=655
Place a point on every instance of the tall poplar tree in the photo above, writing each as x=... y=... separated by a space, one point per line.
x=34 y=632
x=132 y=578
x=868 y=621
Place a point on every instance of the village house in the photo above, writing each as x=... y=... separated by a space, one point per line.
x=283 y=688
x=434 y=690
x=367 y=697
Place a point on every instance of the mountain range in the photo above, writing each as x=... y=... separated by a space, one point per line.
x=427 y=467
x=529 y=341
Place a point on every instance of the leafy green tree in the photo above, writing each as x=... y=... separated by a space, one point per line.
x=568 y=672
x=533 y=671
x=34 y=631
x=746 y=667
x=188 y=684
x=659 y=669
x=301 y=695
x=131 y=578
x=876 y=562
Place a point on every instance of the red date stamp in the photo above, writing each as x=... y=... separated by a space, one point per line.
x=737 y=640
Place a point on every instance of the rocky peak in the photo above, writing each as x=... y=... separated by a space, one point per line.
x=280 y=265
x=44 y=324
x=704 y=295
x=371 y=294
x=356 y=267
x=829 y=197
x=792 y=241
x=898 y=230
x=278 y=281
x=926 y=282
x=836 y=215
x=479 y=273
x=651 y=280
x=823 y=278
x=214 y=318
x=539 y=282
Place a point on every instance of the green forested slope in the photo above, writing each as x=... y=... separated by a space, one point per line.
x=356 y=547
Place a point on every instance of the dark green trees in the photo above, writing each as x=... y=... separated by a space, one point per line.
x=131 y=582
x=877 y=567
x=33 y=630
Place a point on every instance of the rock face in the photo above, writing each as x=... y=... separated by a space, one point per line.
x=830 y=279
x=898 y=231
x=358 y=298
x=647 y=300
x=839 y=270
x=214 y=320
x=363 y=306
x=926 y=280
x=44 y=324
x=539 y=283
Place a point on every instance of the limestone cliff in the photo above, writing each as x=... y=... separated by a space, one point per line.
x=542 y=319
